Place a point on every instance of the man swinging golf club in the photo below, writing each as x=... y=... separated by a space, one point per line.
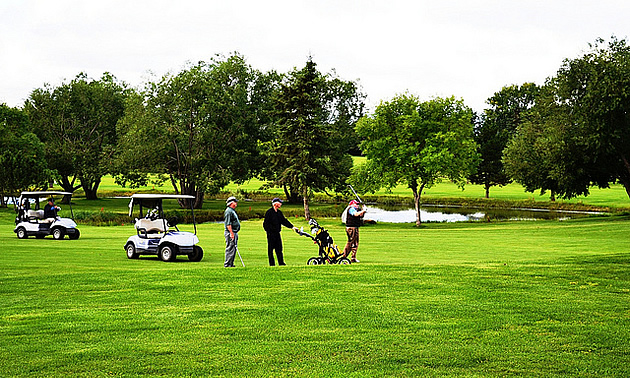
x=354 y=220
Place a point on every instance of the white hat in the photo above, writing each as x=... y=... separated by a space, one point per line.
x=230 y=200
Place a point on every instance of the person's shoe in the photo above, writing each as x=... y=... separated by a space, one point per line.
x=355 y=261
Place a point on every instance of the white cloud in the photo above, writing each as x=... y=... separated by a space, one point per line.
x=469 y=49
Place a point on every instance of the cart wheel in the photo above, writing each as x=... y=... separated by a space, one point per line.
x=166 y=253
x=197 y=254
x=21 y=233
x=75 y=235
x=314 y=261
x=343 y=261
x=131 y=251
x=58 y=233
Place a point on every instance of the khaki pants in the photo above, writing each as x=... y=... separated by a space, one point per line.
x=353 y=242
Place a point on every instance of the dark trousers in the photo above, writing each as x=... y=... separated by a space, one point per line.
x=274 y=242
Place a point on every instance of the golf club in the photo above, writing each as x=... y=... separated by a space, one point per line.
x=355 y=193
x=239 y=256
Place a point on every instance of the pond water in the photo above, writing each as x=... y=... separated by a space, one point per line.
x=462 y=214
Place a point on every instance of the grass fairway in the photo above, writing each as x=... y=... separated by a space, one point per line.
x=537 y=299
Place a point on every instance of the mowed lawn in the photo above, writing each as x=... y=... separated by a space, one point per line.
x=543 y=299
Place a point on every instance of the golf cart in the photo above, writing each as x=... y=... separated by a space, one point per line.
x=155 y=234
x=32 y=221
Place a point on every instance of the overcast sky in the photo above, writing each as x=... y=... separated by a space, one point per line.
x=466 y=48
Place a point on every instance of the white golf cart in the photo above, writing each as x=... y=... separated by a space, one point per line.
x=154 y=234
x=31 y=220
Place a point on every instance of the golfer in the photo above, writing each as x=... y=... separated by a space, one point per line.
x=354 y=220
x=274 y=219
x=50 y=211
x=232 y=227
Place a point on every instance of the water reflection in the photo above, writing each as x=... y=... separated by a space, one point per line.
x=462 y=214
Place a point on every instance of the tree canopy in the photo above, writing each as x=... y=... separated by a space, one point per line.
x=22 y=157
x=580 y=126
x=77 y=123
x=417 y=144
x=497 y=126
x=199 y=127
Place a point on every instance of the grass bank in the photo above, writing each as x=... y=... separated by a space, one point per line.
x=542 y=298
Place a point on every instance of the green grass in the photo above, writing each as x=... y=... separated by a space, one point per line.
x=542 y=298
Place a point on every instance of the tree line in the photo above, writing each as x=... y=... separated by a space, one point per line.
x=223 y=121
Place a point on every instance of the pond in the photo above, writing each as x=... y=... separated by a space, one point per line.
x=462 y=214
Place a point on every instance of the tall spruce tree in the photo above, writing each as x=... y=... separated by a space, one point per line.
x=316 y=115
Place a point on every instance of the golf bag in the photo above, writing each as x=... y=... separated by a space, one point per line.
x=328 y=250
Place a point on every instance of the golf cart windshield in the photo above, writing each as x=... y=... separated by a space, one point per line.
x=153 y=204
x=25 y=198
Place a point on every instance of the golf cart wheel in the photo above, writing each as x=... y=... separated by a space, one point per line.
x=343 y=261
x=197 y=254
x=314 y=261
x=166 y=253
x=131 y=251
x=58 y=233
x=75 y=235
x=21 y=233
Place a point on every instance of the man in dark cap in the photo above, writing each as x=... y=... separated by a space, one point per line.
x=274 y=219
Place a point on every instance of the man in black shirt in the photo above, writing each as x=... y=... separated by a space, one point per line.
x=50 y=210
x=274 y=219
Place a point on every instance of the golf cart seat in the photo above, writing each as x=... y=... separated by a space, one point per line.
x=35 y=214
x=148 y=226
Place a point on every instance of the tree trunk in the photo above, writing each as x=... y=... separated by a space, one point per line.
x=68 y=186
x=290 y=194
x=91 y=190
x=416 y=201
x=626 y=184
x=624 y=179
x=487 y=190
x=307 y=211
x=199 y=199
x=90 y=194
x=190 y=190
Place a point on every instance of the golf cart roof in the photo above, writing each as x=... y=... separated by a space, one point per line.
x=143 y=199
x=161 y=196
x=44 y=194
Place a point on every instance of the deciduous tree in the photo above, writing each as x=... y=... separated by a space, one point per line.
x=581 y=125
x=22 y=157
x=417 y=144
x=199 y=128
x=77 y=123
x=495 y=129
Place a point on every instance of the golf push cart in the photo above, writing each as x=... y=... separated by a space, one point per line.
x=155 y=234
x=31 y=220
x=328 y=250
